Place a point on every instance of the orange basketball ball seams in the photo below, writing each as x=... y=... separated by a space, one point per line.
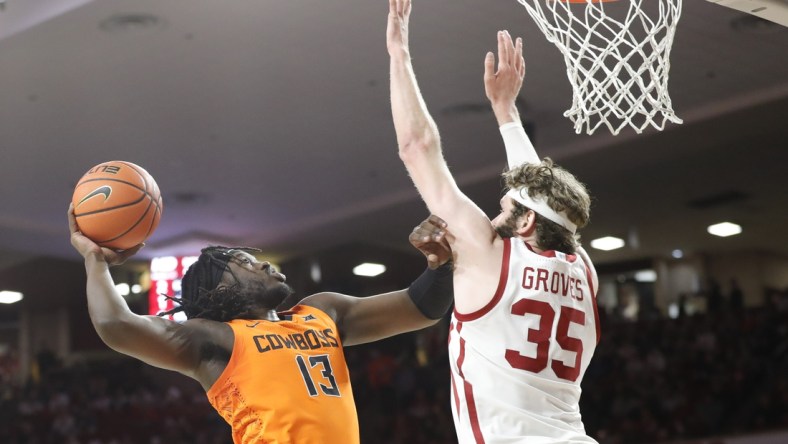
x=117 y=204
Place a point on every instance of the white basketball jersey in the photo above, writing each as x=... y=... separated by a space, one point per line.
x=517 y=363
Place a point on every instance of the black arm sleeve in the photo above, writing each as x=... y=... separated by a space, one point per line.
x=433 y=291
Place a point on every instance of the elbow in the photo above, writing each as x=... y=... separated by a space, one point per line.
x=417 y=148
x=408 y=151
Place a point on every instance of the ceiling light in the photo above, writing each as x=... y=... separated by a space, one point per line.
x=315 y=272
x=677 y=254
x=607 y=243
x=646 y=276
x=724 y=229
x=136 y=288
x=369 y=269
x=9 y=297
x=673 y=310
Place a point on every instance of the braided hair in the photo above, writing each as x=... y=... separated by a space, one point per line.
x=200 y=297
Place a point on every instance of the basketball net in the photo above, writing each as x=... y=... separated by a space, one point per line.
x=617 y=64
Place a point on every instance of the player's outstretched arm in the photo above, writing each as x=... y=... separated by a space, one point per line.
x=428 y=299
x=157 y=341
x=502 y=85
x=419 y=140
x=417 y=134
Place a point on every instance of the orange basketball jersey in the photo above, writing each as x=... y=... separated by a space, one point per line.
x=287 y=382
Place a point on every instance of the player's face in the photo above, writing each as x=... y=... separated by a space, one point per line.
x=505 y=223
x=259 y=280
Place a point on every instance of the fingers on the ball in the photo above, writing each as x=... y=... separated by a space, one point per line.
x=72 y=221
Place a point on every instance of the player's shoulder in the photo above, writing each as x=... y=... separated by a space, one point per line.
x=583 y=255
x=323 y=299
x=328 y=302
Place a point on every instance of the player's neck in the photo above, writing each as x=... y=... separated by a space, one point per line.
x=531 y=241
x=268 y=314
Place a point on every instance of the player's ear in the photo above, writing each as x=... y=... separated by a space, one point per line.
x=526 y=224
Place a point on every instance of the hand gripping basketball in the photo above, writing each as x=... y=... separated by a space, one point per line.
x=117 y=205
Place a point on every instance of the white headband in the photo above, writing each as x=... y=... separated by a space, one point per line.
x=539 y=206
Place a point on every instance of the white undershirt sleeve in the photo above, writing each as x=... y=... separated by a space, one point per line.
x=519 y=148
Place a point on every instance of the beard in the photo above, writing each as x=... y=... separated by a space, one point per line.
x=507 y=228
x=272 y=297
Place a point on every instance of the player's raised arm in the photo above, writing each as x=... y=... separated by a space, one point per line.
x=427 y=300
x=502 y=85
x=157 y=341
x=417 y=134
x=419 y=140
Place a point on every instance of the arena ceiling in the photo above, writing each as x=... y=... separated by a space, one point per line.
x=267 y=123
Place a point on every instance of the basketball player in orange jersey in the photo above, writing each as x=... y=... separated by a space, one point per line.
x=275 y=377
x=525 y=323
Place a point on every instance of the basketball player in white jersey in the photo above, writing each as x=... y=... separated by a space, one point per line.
x=525 y=323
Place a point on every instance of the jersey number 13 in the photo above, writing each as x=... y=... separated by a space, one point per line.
x=327 y=373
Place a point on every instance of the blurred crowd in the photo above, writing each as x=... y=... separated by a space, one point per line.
x=692 y=377
x=106 y=402
x=654 y=380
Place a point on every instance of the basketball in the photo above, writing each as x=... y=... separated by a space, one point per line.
x=117 y=204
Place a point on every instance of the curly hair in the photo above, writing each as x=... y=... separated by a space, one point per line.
x=562 y=192
x=200 y=297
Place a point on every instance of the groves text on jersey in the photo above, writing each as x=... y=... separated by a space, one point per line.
x=555 y=282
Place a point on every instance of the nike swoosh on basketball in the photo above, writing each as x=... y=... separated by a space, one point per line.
x=105 y=190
